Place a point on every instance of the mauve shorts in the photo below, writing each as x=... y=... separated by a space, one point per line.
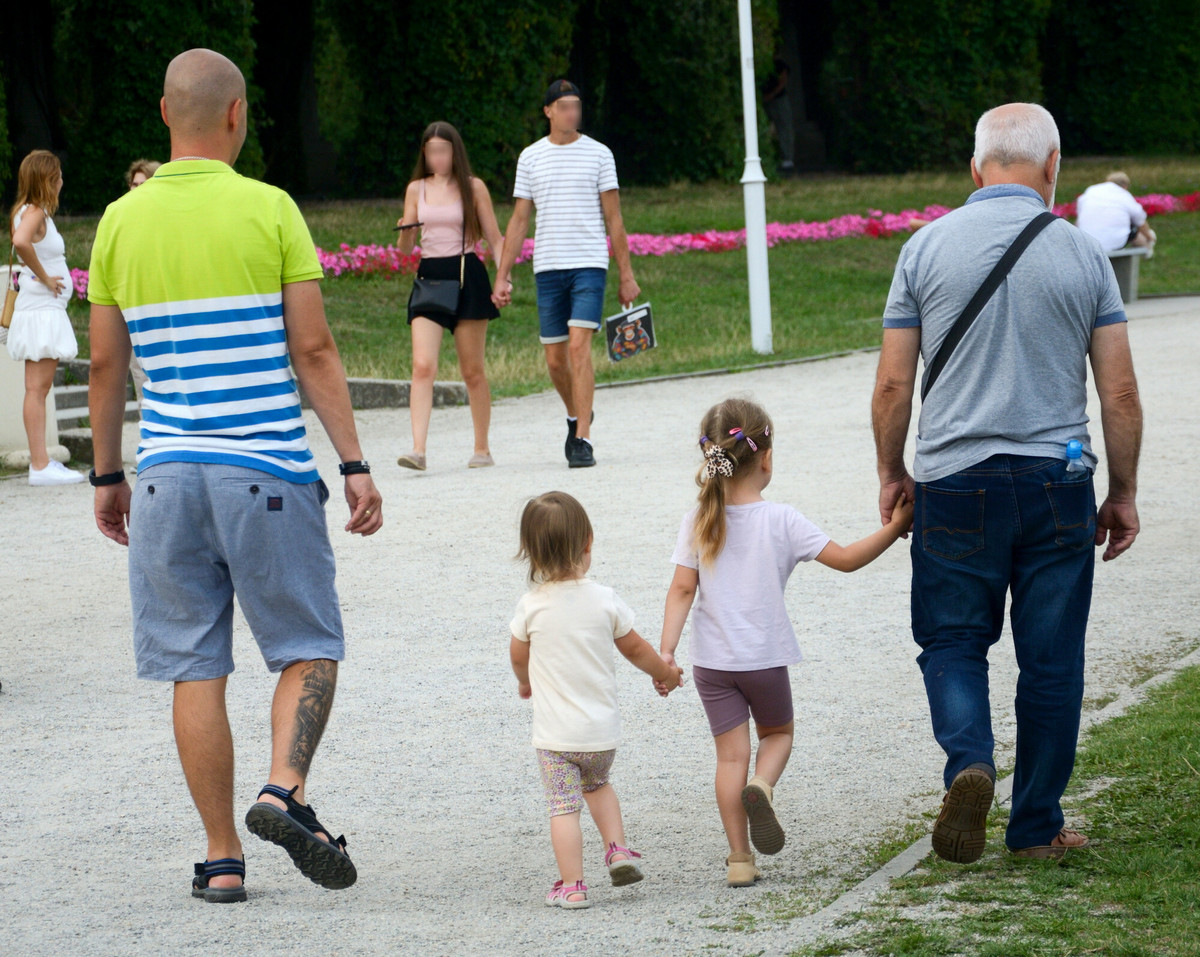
x=730 y=698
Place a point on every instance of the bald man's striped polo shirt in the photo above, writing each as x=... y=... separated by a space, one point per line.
x=196 y=259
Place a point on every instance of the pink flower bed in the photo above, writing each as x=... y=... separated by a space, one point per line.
x=375 y=260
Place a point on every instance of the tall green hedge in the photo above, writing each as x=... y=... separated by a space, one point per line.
x=111 y=56
x=665 y=81
x=659 y=77
x=901 y=89
x=907 y=79
x=5 y=142
x=393 y=67
x=1123 y=76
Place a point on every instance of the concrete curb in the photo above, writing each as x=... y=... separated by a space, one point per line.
x=364 y=394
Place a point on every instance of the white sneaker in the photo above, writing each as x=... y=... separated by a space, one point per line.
x=55 y=474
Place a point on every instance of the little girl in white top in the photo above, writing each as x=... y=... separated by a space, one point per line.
x=733 y=558
x=563 y=635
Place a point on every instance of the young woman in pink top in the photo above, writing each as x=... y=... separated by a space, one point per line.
x=450 y=227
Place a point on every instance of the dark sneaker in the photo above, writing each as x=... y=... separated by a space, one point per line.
x=960 y=833
x=580 y=455
x=571 y=426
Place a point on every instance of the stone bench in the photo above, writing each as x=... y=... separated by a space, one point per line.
x=1125 y=264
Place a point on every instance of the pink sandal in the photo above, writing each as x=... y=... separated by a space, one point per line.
x=560 y=895
x=622 y=872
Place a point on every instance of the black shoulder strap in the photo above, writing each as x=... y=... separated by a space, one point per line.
x=981 y=297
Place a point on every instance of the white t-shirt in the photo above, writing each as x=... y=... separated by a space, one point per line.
x=565 y=183
x=739 y=619
x=571 y=627
x=1108 y=213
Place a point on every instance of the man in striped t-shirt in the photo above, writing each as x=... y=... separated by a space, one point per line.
x=212 y=278
x=572 y=181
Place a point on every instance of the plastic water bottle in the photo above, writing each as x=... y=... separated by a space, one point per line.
x=1075 y=456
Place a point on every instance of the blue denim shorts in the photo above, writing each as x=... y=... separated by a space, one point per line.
x=199 y=534
x=569 y=297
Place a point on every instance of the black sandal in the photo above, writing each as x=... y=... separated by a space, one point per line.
x=207 y=870
x=322 y=862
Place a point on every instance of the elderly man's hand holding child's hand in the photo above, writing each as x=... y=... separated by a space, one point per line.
x=902 y=514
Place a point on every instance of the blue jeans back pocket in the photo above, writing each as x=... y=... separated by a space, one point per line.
x=951 y=522
x=1074 y=508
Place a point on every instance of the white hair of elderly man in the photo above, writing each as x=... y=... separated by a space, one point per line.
x=1015 y=133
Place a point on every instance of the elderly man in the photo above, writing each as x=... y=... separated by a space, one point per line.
x=998 y=510
x=213 y=278
x=1108 y=212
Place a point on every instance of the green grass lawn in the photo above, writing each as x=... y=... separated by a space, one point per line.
x=1134 y=893
x=825 y=296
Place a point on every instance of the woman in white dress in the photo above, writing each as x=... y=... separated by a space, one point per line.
x=41 y=334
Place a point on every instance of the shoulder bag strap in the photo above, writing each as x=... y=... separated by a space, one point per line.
x=981 y=297
x=462 y=250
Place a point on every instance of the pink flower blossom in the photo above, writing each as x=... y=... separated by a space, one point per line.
x=388 y=261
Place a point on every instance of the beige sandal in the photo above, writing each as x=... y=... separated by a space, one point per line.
x=480 y=461
x=412 y=460
x=766 y=833
x=740 y=870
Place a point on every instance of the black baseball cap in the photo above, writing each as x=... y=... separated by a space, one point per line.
x=559 y=89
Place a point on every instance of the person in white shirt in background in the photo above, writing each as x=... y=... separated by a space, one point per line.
x=1108 y=212
x=572 y=181
x=41 y=334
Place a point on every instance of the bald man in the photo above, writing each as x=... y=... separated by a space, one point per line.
x=212 y=279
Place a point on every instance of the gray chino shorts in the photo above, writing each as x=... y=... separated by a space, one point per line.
x=201 y=534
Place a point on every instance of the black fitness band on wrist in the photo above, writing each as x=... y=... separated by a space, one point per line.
x=111 y=478
x=354 y=468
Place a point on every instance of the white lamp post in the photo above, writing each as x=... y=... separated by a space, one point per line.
x=755 y=195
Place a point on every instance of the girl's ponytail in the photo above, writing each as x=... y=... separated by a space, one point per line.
x=732 y=436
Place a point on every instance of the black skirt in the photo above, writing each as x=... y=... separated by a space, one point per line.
x=475 y=301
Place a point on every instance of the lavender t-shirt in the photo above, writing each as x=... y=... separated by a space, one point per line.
x=739 y=619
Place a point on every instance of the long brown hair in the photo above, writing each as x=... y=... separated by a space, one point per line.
x=35 y=184
x=555 y=534
x=730 y=426
x=460 y=172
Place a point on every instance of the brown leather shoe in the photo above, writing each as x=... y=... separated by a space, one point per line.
x=1065 y=840
x=960 y=833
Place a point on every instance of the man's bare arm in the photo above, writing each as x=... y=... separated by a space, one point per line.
x=891 y=414
x=1121 y=419
x=319 y=369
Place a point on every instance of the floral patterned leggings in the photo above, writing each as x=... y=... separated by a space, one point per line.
x=566 y=775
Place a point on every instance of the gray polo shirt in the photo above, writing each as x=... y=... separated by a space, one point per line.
x=1017 y=383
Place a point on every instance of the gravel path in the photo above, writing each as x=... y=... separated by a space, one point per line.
x=426 y=764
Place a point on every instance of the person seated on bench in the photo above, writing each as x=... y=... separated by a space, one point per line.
x=1108 y=212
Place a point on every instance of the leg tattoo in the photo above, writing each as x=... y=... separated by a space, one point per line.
x=312 y=712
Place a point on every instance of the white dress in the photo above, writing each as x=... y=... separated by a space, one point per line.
x=40 y=327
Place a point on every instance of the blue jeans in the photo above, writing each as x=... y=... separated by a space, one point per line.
x=1025 y=525
x=569 y=298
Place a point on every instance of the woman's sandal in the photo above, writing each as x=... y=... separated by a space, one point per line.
x=622 y=872
x=295 y=830
x=207 y=870
x=560 y=895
